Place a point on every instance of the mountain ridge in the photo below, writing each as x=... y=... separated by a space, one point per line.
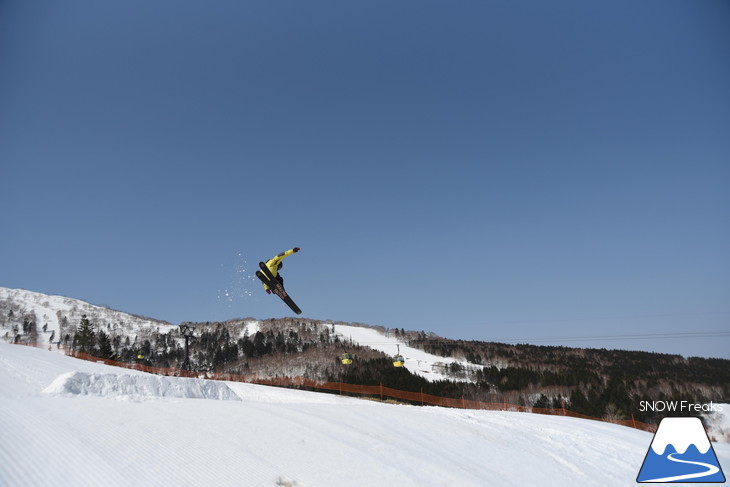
x=596 y=382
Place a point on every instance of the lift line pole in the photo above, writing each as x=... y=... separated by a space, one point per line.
x=187 y=333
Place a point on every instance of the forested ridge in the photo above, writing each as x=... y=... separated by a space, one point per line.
x=595 y=382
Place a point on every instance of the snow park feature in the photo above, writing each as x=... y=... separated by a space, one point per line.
x=70 y=422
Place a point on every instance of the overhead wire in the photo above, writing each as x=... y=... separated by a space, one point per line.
x=634 y=336
x=637 y=336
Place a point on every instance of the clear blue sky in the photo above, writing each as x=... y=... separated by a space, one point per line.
x=484 y=170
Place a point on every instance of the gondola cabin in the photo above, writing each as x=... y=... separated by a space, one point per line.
x=346 y=358
x=398 y=361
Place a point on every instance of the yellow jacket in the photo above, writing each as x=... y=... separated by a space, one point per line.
x=273 y=264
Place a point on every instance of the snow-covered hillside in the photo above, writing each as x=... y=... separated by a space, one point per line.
x=69 y=422
x=431 y=367
x=718 y=423
x=49 y=313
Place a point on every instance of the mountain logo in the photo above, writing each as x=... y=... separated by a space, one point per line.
x=681 y=452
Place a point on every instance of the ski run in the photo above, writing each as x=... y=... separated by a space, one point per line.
x=68 y=422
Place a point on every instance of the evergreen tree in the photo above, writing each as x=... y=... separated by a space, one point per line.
x=543 y=402
x=105 y=346
x=259 y=344
x=578 y=402
x=85 y=336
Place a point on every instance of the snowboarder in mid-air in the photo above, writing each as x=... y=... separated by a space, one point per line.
x=272 y=280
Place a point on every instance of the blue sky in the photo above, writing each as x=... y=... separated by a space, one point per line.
x=482 y=170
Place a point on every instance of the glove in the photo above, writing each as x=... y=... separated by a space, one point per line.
x=268 y=291
x=296 y=249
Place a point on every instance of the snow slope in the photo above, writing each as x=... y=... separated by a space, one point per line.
x=718 y=423
x=48 y=311
x=54 y=433
x=431 y=367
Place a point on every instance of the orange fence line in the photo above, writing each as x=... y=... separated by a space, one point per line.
x=377 y=391
x=380 y=390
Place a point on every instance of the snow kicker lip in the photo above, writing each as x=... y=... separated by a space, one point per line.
x=138 y=387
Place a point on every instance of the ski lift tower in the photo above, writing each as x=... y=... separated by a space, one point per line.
x=187 y=333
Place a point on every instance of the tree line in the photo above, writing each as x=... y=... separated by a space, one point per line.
x=595 y=382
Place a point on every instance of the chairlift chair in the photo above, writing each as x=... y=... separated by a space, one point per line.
x=346 y=358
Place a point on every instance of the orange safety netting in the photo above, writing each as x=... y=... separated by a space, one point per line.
x=378 y=391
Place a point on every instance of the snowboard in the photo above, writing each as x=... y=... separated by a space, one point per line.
x=267 y=278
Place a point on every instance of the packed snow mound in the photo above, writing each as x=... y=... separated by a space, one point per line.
x=138 y=387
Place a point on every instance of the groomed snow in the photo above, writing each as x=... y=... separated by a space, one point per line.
x=280 y=437
x=429 y=366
